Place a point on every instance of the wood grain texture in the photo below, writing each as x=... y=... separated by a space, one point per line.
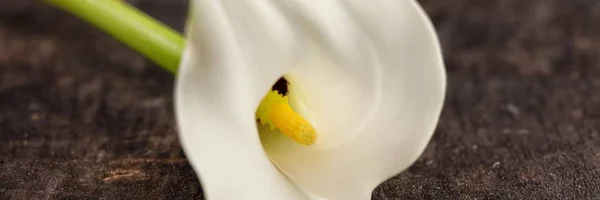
x=83 y=117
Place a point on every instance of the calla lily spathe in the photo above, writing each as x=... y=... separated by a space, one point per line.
x=368 y=75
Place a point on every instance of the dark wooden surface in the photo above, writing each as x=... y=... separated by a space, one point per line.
x=83 y=117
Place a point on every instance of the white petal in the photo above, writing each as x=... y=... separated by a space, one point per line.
x=368 y=74
x=372 y=84
x=236 y=50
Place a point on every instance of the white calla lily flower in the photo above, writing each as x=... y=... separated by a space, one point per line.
x=366 y=78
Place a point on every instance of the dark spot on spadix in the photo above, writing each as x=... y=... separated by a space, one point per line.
x=281 y=86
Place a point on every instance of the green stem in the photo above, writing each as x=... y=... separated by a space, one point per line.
x=139 y=31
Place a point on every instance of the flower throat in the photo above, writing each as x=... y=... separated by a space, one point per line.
x=274 y=110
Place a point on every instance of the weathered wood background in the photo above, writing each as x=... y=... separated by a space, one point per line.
x=83 y=117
